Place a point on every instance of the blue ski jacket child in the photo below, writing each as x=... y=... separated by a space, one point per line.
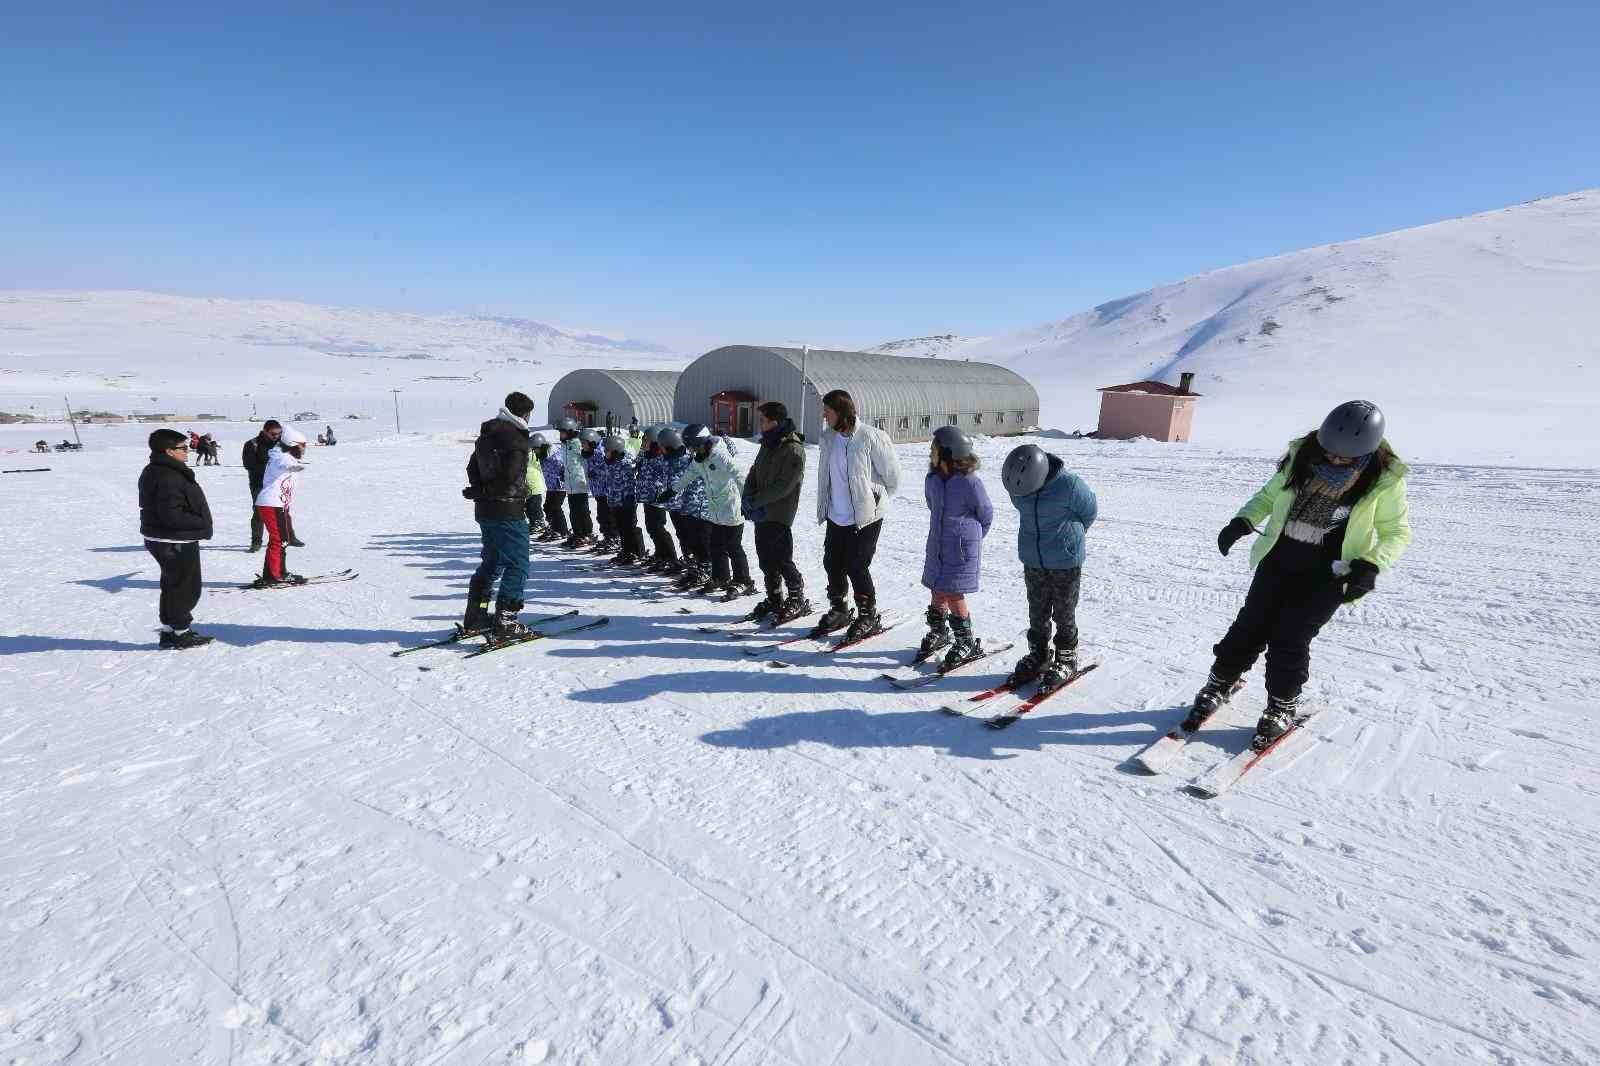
x=1055 y=519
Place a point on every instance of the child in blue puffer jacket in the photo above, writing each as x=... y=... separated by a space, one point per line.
x=652 y=479
x=1056 y=509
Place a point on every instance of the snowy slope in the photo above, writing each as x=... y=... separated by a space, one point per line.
x=1479 y=336
x=644 y=847
x=137 y=351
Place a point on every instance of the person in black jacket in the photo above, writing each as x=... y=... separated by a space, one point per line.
x=174 y=518
x=254 y=461
x=498 y=476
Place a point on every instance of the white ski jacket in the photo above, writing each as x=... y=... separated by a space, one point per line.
x=873 y=470
x=278 y=481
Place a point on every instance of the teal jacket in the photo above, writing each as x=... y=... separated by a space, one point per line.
x=1378 y=530
x=572 y=464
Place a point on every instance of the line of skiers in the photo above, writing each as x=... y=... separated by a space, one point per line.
x=1335 y=516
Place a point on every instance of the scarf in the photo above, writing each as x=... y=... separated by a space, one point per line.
x=1316 y=508
x=513 y=419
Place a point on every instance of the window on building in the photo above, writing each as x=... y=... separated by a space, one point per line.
x=927 y=420
x=904 y=424
x=977 y=419
x=999 y=418
x=1016 y=416
x=955 y=420
x=877 y=423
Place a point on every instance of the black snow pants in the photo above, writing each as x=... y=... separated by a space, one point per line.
x=1292 y=596
x=535 y=512
x=694 y=535
x=180 y=581
x=1052 y=598
x=578 y=508
x=847 y=553
x=625 y=523
x=602 y=511
x=655 y=524
x=727 y=550
x=775 y=557
x=555 y=511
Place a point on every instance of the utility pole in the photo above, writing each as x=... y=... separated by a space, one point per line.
x=805 y=351
x=71 y=421
x=396 y=411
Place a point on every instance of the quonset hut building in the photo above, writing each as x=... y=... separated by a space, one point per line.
x=613 y=398
x=907 y=398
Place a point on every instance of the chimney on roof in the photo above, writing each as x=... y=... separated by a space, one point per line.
x=1185 y=379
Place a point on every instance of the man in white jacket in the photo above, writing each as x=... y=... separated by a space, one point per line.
x=284 y=464
x=857 y=472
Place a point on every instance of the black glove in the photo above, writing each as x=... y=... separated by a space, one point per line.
x=663 y=496
x=1232 y=532
x=1363 y=578
x=469 y=493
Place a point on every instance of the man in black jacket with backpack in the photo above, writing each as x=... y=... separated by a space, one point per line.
x=174 y=518
x=498 y=489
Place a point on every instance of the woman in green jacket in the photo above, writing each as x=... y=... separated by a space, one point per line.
x=1335 y=514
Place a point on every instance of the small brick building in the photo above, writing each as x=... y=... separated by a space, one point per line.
x=1151 y=409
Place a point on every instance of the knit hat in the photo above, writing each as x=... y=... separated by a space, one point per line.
x=291 y=437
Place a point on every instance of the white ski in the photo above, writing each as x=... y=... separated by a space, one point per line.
x=1225 y=775
x=928 y=671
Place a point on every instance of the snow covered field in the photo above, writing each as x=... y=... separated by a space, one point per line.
x=645 y=847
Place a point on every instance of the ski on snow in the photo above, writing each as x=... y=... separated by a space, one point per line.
x=1160 y=755
x=516 y=642
x=466 y=634
x=312 y=579
x=802 y=648
x=1014 y=706
x=927 y=671
x=1224 y=776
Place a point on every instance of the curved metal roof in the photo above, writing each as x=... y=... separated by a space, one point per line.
x=643 y=394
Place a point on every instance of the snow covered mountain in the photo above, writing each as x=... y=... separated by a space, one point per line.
x=1480 y=336
x=127 y=351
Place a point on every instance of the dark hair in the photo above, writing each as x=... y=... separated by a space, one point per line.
x=519 y=404
x=968 y=465
x=162 y=439
x=1312 y=453
x=839 y=402
x=271 y=423
x=773 y=411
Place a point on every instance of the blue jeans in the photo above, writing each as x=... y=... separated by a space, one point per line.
x=505 y=557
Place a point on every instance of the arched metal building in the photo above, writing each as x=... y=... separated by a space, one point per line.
x=613 y=397
x=907 y=398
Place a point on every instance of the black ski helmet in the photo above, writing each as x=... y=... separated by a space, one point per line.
x=696 y=436
x=538 y=440
x=1025 y=470
x=669 y=439
x=1351 y=430
x=952 y=444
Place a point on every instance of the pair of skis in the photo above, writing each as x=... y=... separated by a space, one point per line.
x=467 y=634
x=925 y=671
x=1011 y=705
x=312 y=579
x=794 y=651
x=1166 y=751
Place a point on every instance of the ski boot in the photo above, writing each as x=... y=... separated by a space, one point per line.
x=765 y=609
x=183 y=640
x=1062 y=665
x=625 y=558
x=689 y=578
x=477 y=619
x=838 y=617
x=738 y=590
x=867 y=622
x=255 y=547
x=1279 y=717
x=506 y=625
x=1029 y=666
x=795 y=605
x=673 y=566
x=965 y=648
x=712 y=587
x=1212 y=695
x=938 y=635
x=265 y=582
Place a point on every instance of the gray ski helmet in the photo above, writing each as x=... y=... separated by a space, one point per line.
x=696 y=436
x=952 y=444
x=538 y=440
x=1025 y=471
x=668 y=438
x=1351 y=430
x=568 y=425
x=591 y=436
x=616 y=444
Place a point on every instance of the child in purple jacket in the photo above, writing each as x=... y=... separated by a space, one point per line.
x=959 y=515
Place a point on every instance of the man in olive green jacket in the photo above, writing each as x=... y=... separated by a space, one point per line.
x=771 y=499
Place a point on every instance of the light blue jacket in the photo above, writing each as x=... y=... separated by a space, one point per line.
x=577 y=478
x=1055 y=520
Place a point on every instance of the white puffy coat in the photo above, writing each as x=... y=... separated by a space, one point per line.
x=278 y=480
x=873 y=467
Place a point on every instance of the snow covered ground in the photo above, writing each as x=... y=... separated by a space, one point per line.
x=645 y=847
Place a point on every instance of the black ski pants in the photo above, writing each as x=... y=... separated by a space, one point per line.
x=1052 y=600
x=1291 y=598
x=180 y=581
x=602 y=510
x=535 y=512
x=256 y=530
x=578 y=508
x=625 y=523
x=555 y=511
x=655 y=524
x=847 y=553
x=694 y=535
x=727 y=551
x=775 y=558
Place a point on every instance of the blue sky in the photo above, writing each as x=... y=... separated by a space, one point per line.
x=842 y=173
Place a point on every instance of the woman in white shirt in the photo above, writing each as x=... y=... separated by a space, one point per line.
x=284 y=464
x=858 y=471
